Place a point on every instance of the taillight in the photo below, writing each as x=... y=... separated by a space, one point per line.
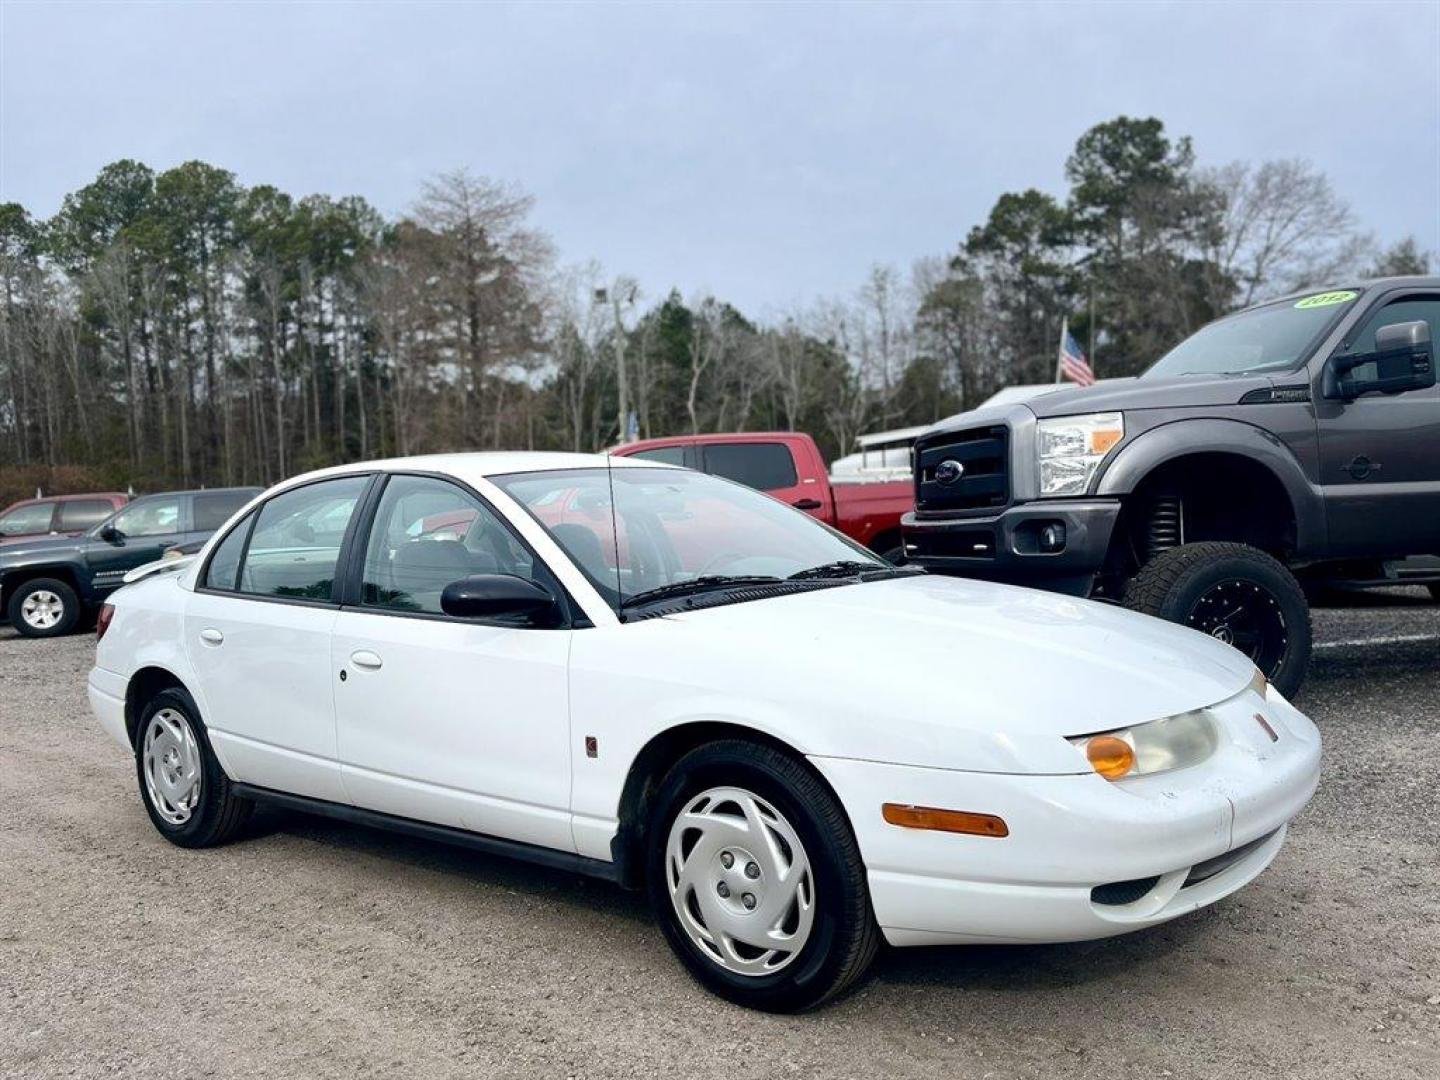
x=107 y=612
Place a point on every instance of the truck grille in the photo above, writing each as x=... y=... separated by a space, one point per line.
x=984 y=480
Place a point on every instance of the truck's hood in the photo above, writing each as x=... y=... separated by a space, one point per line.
x=1116 y=395
x=29 y=549
x=958 y=673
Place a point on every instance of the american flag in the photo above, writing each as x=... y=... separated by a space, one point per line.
x=1073 y=365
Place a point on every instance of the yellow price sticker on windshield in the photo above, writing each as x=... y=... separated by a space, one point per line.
x=1325 y=299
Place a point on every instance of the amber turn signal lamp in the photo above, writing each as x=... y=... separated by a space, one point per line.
x=956 y=821
x=1112 y=758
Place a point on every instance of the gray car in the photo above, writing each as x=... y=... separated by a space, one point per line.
x=51 y=586
x=1294 y=443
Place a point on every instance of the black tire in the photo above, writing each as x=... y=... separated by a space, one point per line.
x=1193 y=585
x=64 y=595
x=843 y=937
x=219 y=814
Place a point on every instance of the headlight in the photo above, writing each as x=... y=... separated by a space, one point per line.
x=1159 y=746
x=1070 y=449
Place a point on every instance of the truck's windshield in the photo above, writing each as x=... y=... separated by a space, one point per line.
x=1275 y=337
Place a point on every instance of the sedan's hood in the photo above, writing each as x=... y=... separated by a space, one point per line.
x=1116 y=395
x=962 y=674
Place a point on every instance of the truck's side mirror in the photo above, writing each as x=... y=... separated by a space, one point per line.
x=111 y=535
x=1403 y=359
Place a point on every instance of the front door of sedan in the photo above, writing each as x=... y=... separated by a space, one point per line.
x=1380 y=453
x=136 y=535
x=257 y=632
x=462 y=723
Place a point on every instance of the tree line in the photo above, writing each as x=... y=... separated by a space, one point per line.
x=178 y=328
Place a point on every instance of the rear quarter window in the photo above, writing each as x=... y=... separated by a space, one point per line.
x=765 y=466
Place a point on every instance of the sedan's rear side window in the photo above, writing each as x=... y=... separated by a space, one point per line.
x=224 y=566
x=296 y=542
x=429 y=533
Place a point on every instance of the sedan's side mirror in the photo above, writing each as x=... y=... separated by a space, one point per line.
x=111 y=535
x=1403 y=359
x=489 y=596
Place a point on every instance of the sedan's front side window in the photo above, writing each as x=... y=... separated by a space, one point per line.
x=296 y=543
x=427 y=534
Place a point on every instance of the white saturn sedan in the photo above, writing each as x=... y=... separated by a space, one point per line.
x=674 y=682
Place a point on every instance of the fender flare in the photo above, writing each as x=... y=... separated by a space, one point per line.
x=1181 y=438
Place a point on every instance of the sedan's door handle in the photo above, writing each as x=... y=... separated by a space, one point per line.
x=807 y=504
x=364 y=658
x=211 y=636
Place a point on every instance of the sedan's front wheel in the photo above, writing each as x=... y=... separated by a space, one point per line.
x=187 y=794
x=755 y=876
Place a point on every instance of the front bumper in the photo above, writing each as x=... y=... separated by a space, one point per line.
x=1072 y=834
x=1006 y=546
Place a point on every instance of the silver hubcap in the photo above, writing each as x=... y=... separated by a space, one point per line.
x=42 y=609
x=171 y=763
x=740 y=881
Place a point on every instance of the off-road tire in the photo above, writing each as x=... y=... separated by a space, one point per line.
x=1170 y=585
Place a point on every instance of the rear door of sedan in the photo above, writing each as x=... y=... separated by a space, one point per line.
x=257 y=632
x=458 y=722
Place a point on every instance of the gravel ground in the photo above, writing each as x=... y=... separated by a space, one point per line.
x=314 y=949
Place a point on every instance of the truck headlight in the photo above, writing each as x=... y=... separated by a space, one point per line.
x=1071 y=448
x=1159 y=746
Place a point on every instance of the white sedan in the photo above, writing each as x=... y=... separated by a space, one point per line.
x=671 y=681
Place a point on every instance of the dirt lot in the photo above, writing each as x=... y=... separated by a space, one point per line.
x=315 y=950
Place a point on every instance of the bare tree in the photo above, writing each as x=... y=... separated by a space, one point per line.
x=1284 y=228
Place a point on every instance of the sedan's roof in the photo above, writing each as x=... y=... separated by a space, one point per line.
x=487 y=463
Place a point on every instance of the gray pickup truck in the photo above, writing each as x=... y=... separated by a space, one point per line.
x=1291 y=444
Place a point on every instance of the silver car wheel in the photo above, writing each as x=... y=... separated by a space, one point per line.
x=740 y=881
x=42 y=610
x=172 y=766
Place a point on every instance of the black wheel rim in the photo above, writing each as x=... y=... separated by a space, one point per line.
x=1245 y=615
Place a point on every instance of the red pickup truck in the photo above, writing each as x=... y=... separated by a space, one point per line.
x=788 y=466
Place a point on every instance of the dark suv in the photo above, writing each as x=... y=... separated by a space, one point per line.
x=49 y=586
x=1297 y=441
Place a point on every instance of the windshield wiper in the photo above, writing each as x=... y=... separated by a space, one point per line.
x=850 y=568
x=704 y=583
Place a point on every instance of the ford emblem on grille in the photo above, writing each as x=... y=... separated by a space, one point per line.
x=948 y=471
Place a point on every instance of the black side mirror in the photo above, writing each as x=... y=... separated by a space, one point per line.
x=111 y=535
x=487 y=596
x=1403 y=359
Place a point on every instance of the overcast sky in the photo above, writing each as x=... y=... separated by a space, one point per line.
x=770 y=154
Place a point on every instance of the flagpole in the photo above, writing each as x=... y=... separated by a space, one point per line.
x=1060 y=352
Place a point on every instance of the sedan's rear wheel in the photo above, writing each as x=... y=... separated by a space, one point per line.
x=186 y=792
x=755 y=876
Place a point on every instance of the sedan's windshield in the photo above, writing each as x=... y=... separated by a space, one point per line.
x=667 y=533
x=1275 y=337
